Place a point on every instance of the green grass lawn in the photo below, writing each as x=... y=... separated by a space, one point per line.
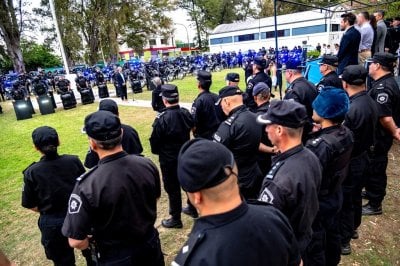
x=20 y=237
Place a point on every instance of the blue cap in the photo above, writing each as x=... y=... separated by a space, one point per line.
x=331 y=103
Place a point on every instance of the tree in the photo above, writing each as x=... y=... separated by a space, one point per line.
x=38 y=55
x=11 y=34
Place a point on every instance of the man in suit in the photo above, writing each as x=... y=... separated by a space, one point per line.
x=121 y=83
x=350 y=42
x=381 y=30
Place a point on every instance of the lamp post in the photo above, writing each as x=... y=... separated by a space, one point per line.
x=187 y=33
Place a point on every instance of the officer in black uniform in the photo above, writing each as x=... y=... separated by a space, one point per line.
x=156 y=98
x=101 y=84
x=241 y=135
x=82 y=85
x=327 y=67
x=261 y=94
x=386 y=93
x=113 y=207
x=204 y=111
x=301 y=91
x=66 y=94
x=224 y=235
x=362 y=120
x=47 y=186
x=259 y=64
x=333 y=145
x=171 y=129
x=232 y=79
x=289 y=185
x=130 y=139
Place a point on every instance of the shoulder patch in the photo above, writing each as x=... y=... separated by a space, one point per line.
x=160 y=114
x=193 y=110
x=315 y=142
x=84 y=175
x=382 y=98
x=266 y=196
x=217 y=138
x=271 y=174
x=230 y=120
x=74 y=204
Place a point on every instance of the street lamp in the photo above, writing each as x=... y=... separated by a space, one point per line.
x=187 y=33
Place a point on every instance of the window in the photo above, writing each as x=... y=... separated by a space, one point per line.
x=335 y=27
x=246 y=37
x=152 y=42
x=164 y=41
x=221 y=40
x=309 y=30
x=271 y=34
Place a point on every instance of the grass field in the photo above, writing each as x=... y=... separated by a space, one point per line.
x=20 y=237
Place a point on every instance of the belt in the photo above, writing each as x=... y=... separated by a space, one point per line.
x=365 y=50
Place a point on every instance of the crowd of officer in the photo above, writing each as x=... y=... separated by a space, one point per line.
x=269 y=182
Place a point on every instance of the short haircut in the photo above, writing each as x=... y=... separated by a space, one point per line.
x=48 y=150
x=387 y=69
x=108 y=144
x=263 y=95
x=205 y=84
x=349 y=17
x=381 y=12
x=171 y=100
x=365 y=14
x=294 y=132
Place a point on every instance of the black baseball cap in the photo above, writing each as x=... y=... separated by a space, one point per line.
x=354 y=74
x=202 y=163
x=109 y=105
x=233 y=77
x=259 y=87
x=329 y=60
x=260 y=61
x=204 y=75
x=45 y=136
x=286 y=113
x=169 y=91
x=385 y=59
x=103 y=125
x=228 y=91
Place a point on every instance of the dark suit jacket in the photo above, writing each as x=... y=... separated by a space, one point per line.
x=348 y=50
x=119 y=80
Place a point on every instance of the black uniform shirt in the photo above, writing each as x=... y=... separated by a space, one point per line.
x=292 y=186
x=49 y=182
x=304 y=92
x=117 y=199
x=156 y=99
x=241 y=134
x=247 y=235
x=248 y=97
x=204 y=113
x=330 y=80
x=99 y=77
x=130 y=143
x=171 y=129
x=386 y=93
x=63 y=85
x=264 y=159
x=362 y=119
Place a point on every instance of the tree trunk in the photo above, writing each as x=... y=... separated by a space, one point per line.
x=10 y=33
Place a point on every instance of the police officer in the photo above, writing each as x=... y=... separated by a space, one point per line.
x=130 y=139
x=40 y=87
x=333 y=145
x=288 y=186
x=224 y=235
x=259 y=64
x=301 y=91
x=385 y=92
x=113 y=207
x=362 y=120
x=82 y=85
x=101 y=83
x=47 y=186
x=241 y=135
x=171 y=129
x=327 y=67
x=204 y=111
x=261 y=94
x=156 y=98
x=67 y=95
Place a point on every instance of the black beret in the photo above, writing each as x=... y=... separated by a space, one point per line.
x=354 y=74
x=103 y=125
x=329 y=60
x=169 y=91
x=204 y=75
x=109 y=105
x=201 y=164
x=44 y=136
x=385 y=59
x=233 y=77
x=260 y=61
x=228 y=91
x=287 y=113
